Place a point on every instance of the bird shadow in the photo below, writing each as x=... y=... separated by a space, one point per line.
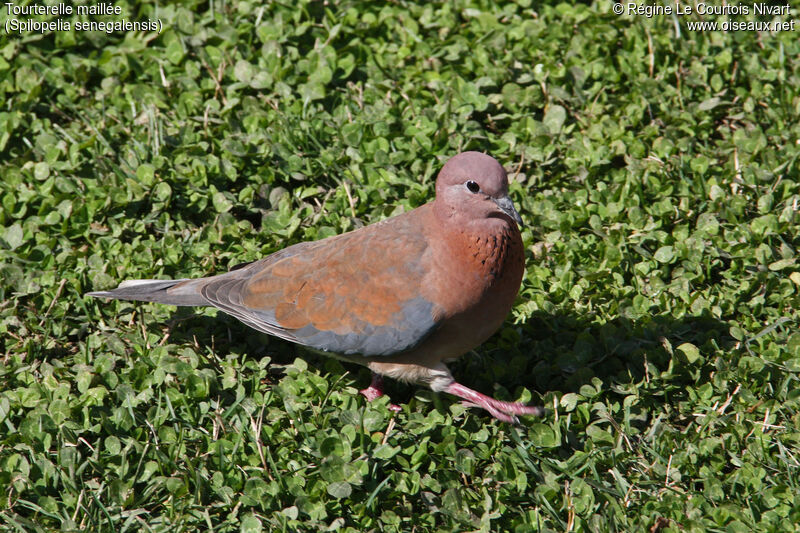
x=564 y=351
x=557 y=352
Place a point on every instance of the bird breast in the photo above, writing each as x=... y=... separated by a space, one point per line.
x=489 y=264
x=490 y=253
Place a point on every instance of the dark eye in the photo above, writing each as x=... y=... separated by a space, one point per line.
x=473 y=187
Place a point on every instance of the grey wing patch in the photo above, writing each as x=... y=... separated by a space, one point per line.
x=410 y=326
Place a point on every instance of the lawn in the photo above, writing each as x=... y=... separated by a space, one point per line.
x=657 y=173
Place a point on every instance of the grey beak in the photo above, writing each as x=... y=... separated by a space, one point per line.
x=507 y=206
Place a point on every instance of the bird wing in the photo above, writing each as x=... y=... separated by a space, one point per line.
x=360 y=293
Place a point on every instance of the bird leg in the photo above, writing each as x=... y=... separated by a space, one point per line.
x=375 y=391
x=505 y=411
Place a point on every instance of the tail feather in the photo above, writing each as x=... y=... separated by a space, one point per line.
x=168 y=291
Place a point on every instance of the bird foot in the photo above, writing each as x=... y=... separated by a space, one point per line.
x=505 y=411
x=375 y=391
x=371 y=393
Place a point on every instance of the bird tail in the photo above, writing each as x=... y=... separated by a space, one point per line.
x=169 y=291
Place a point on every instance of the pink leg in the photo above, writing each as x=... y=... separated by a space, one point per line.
x=505 y=411
x=375 y=391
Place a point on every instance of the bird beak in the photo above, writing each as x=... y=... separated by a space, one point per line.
x=507 y=206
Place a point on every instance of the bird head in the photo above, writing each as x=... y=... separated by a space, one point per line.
x=474 y=186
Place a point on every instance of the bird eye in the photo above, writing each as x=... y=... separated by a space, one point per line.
x=473 y=187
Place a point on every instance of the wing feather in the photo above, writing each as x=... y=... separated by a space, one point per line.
x=360 y=293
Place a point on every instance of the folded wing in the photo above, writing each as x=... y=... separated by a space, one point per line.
x=357 y=293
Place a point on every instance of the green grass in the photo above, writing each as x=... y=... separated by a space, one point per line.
x=658 y=177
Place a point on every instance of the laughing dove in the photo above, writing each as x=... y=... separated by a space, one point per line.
x=401 y=296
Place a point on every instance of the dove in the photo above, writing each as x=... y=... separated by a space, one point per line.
x=403 y=296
